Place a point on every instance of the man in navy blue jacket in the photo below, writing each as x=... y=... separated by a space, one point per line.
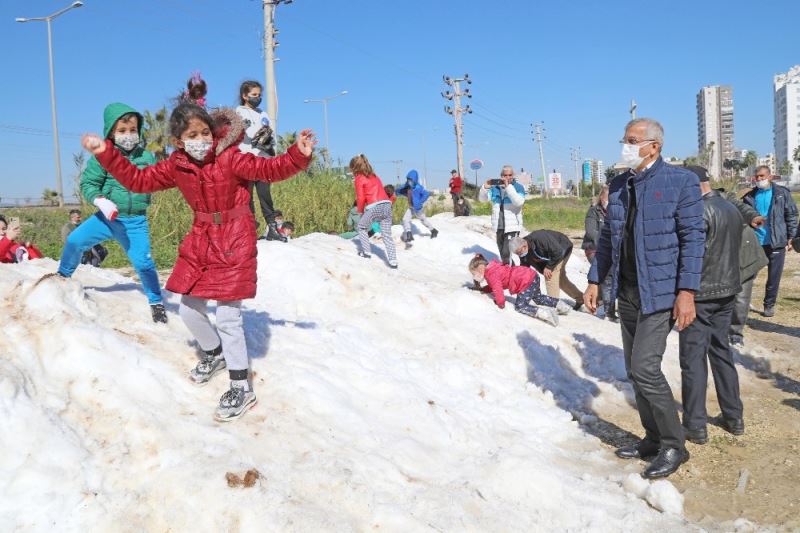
x=651 y=246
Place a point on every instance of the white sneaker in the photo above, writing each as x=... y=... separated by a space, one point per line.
x=563 y=308
x=234 y=403
x=393 y=264
x=547 y=314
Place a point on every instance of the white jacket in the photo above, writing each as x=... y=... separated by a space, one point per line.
x=512 y=210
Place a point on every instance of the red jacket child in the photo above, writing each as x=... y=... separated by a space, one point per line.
x=217 y=258
x=369 y=190
x=500 y=277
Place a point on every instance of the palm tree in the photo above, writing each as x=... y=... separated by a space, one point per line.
x=156 y=133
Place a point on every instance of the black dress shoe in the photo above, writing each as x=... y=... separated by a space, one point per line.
x=734 y=426
x=641 y=450
x=666 y=462
x=698 y=436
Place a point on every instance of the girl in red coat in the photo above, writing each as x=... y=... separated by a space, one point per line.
x=374 y=205
x=519 y=280
x=217 y=258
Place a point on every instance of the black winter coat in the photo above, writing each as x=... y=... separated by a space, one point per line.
x=546 y=249
x=723 y=222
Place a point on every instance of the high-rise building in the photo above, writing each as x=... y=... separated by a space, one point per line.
x=787 y=117
x=598 y=171
x=715 y=126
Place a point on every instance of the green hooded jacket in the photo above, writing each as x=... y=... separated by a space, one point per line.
x=95 y=181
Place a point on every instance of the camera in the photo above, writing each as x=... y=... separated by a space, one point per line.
x=496 y=182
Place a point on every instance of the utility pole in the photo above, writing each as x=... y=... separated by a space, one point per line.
x=575 y=155
x=269 y=60
x=457 y=111
x=56 y=146
x=633 y=109
x=539 y=132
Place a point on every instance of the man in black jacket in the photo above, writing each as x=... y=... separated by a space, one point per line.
x=708 y=334
x=548 y=252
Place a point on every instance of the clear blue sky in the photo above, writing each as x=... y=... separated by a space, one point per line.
x=574 y=65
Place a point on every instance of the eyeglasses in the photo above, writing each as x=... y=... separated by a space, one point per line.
x=633 y=140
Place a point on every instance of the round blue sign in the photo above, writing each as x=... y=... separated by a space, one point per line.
x=476 y=164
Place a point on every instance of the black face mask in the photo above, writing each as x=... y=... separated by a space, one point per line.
x=254 y=101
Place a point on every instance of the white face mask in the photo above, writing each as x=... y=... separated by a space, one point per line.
x=763 y=184
x=630 y=155
x=127 y=141
x=197 y=148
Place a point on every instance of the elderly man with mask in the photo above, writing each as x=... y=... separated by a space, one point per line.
x=651 y=246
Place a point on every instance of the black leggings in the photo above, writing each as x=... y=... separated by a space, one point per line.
x=503 y=239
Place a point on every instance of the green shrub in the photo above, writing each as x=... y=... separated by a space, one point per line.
x=315 y=203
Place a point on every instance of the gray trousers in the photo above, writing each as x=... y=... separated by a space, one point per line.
x=229 y=331
x=741 y=307
x=644 y=340
x=419 y=214
x=708 y=334
x=381 y=213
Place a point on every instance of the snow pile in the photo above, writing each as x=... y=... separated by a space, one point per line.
x=661 y=494
x=387 y=399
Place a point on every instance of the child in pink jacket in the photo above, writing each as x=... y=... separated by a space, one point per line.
x=519 y=280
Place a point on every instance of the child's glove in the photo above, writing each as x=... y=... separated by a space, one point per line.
x=107 y=207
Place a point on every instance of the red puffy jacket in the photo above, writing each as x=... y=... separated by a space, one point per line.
x=369 y=190
x=455 y=185
x=514 y=278
x=217 y=258
x=8 y=251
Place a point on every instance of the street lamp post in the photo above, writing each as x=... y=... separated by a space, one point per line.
x=56 y=148
x=324 y=102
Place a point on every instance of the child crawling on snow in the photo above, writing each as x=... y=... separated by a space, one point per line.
x=519 y=280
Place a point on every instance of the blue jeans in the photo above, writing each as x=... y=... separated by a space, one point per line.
x=132 y=233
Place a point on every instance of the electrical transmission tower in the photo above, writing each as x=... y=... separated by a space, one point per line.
x=538 y=131
x=457 y=111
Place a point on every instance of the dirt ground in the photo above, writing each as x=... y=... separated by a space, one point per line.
x=765 y=462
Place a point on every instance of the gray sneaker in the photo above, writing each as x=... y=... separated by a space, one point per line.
x=547 y=314
x=563 y=308
x=211 y=363
x=234 y=403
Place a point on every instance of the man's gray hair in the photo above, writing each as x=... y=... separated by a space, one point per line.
x=515 y=244
x=653 y=129
x=765 y=167
x=507 y=167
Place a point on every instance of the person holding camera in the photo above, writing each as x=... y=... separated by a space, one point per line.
x=507 y=197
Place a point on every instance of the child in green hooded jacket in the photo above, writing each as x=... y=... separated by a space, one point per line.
x=122 y=214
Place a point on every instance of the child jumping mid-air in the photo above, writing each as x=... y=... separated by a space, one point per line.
x=522 y=281
x=217 y=258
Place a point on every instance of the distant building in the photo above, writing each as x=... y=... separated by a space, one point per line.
x=769 y=160
x=715 y=126
x=787 y=118
x=524 y=178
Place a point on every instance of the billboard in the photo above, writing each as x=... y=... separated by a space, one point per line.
x=554 y=181
x=587 y=171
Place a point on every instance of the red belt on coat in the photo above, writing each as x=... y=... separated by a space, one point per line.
x=220 y=217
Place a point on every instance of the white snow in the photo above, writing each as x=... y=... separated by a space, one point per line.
x=390 y=400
